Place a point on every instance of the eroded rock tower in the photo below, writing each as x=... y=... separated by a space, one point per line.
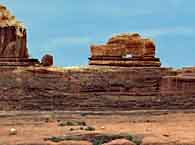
x=125 y=50
x=13 y=41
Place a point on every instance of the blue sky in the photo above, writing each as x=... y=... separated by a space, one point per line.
x=66 y=28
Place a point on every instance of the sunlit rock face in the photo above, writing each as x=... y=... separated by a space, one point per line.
x=125 y=50
x=12 y=36
x=13 y=41
x=7 y=19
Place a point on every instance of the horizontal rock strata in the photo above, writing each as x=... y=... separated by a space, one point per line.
x=125 y=50
x=13 y=43
x=95 y=88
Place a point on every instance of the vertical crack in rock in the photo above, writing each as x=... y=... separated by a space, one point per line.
x=13 y=42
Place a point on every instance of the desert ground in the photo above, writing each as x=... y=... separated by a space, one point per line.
x=151 y=127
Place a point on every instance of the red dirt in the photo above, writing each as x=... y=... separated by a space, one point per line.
x=177 y=127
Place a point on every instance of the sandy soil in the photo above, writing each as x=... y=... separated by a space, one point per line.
x=173 y=127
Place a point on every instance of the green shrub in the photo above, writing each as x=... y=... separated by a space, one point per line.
x=72 y=123
x=55 y=139
x=98 y=142
x=137 y=142
x=83 y=114
x=67 y=123
x=129 y=137
x=89 y=128
x=71 y=129
x=81 y=123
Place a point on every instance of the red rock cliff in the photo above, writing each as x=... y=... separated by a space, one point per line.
x=13 y=41
x=125 y=50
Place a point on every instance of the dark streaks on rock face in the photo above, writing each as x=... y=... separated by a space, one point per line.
x=95 y=88
x=12 y=36
x=13 y=42
x=12 y=46
x=123 y=74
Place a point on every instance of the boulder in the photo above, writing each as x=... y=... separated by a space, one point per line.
x=12 y=131
x=156 y=140
x=47 y=60
x=120 y=142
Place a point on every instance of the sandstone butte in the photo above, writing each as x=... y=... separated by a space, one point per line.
x=122 y=74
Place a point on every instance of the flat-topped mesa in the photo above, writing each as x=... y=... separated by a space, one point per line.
x=125 y=50
x=13 y=49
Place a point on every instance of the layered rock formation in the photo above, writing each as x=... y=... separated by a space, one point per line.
x=123 y=74
x=90 y=88
x=13 y=45
x=125 y=50
x=95 y=88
